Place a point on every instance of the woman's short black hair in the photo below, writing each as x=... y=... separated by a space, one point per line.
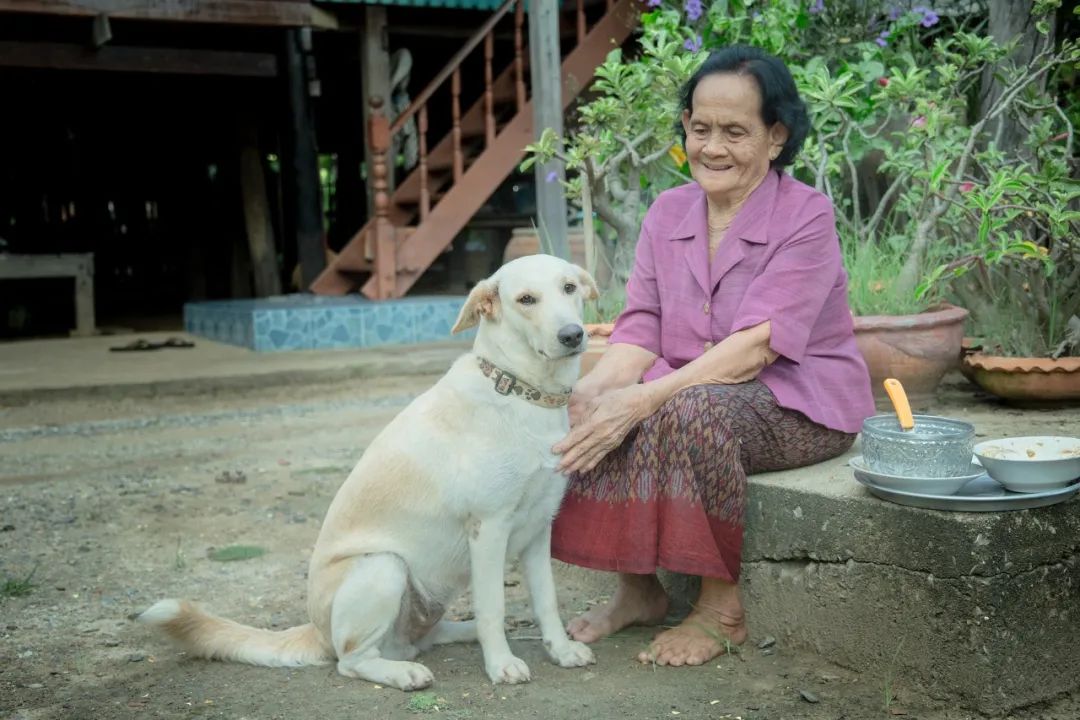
x=780 y=100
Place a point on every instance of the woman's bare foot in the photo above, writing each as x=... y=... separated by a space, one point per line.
x=639 y=600
x=716 y=624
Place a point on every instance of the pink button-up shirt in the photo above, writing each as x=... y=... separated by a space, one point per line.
x=780 y=261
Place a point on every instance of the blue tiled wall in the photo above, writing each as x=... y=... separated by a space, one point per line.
x=307 y=322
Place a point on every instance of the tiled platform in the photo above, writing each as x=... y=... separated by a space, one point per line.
x=308 y=322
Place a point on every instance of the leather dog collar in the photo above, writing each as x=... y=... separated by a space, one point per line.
x=508 y=384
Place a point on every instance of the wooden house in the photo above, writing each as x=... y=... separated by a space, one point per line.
x=221 y=148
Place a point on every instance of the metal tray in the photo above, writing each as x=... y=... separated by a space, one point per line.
x=983 y=494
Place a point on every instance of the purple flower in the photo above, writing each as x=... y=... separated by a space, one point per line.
x=552 y=176
x=693 y=45
x=882 y=39
x=655 y=3
x=817 y=7
x=929 y=19
x=894 y=13
x=693 y=10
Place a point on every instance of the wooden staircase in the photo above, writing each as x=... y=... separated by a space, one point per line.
x=455 y=178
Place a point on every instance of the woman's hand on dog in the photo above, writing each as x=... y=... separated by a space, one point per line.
x=599 y=424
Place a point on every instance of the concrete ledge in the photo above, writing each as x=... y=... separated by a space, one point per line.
x=977 y=607
x=35 y=370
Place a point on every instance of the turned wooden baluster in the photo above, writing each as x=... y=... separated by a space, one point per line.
x=519 y=57
x=455 y=109
x=581 y=20
x=425 y=194
x=489 y=93
x=384 y=243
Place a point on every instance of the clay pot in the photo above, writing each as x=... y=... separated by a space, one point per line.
x=598 y=338
x=917 y=350
x=1026 y=381
x=525 y=241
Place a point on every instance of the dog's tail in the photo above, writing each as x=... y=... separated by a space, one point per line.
x=204 y=635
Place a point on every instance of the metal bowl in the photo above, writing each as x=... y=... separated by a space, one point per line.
x=936 y=447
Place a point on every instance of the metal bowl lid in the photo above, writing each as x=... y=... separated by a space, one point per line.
x=926 y=427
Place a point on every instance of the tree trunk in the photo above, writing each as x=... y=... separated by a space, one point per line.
x=1010 y=19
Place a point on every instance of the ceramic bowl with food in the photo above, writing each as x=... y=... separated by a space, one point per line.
x=1031 y=464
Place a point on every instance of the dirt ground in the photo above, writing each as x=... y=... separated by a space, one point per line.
x=110 y=504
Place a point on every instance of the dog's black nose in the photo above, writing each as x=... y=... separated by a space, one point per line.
x=570 y=335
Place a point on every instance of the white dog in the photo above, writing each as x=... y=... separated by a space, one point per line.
x=461 y=479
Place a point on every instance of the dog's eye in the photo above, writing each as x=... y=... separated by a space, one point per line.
x=527 y=300
x=569 y=288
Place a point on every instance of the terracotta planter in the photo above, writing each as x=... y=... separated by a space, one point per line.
x=1026 y=380
x=598 y=338
x=917 y=350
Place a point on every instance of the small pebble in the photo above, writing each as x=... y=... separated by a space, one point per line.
x=112 y=643
x=769 y=651
x=809 y=696
x=35 y=686
x=12 y=627
x=768 y=642
x=136 y=657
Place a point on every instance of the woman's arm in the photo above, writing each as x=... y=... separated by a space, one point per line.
x=620 y=366
x=604 y=420
x=738 y=358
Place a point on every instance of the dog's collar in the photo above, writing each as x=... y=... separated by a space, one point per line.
x=508 y=384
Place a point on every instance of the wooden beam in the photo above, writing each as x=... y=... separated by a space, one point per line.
x=257 y=222
x=64 y=56
x=301 y=168
x=545 y=72
x=270 y=13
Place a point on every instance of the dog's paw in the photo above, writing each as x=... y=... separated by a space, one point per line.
x=570 y=654
x=409 y=676
x=509 y=670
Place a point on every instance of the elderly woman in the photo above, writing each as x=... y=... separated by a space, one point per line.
x=738 y=323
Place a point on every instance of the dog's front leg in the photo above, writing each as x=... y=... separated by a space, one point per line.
x=487 y=551
x=536 y=561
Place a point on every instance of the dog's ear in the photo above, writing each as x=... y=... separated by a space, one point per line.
x=483 y=300
x=587 y=284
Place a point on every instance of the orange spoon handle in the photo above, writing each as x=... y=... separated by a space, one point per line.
x=900 y=403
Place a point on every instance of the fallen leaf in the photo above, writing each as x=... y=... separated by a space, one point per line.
x=237 y=552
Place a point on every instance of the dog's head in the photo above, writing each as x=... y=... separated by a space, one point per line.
x=539 y=299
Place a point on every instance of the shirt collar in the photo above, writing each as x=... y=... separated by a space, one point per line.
x=750 y=223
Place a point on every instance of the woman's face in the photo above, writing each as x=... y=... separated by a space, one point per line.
x=727 y=144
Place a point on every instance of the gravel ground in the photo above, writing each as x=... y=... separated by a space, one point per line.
x=110 y=504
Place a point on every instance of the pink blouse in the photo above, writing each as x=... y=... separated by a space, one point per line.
x=780 y=261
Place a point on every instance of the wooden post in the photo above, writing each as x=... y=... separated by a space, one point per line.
x=545 y=72
x=384 y=243
x=374 y=82
x=301 y=164
x=257 y=222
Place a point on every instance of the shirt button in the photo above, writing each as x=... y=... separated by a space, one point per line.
x=705 y=309
x=708 y=346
